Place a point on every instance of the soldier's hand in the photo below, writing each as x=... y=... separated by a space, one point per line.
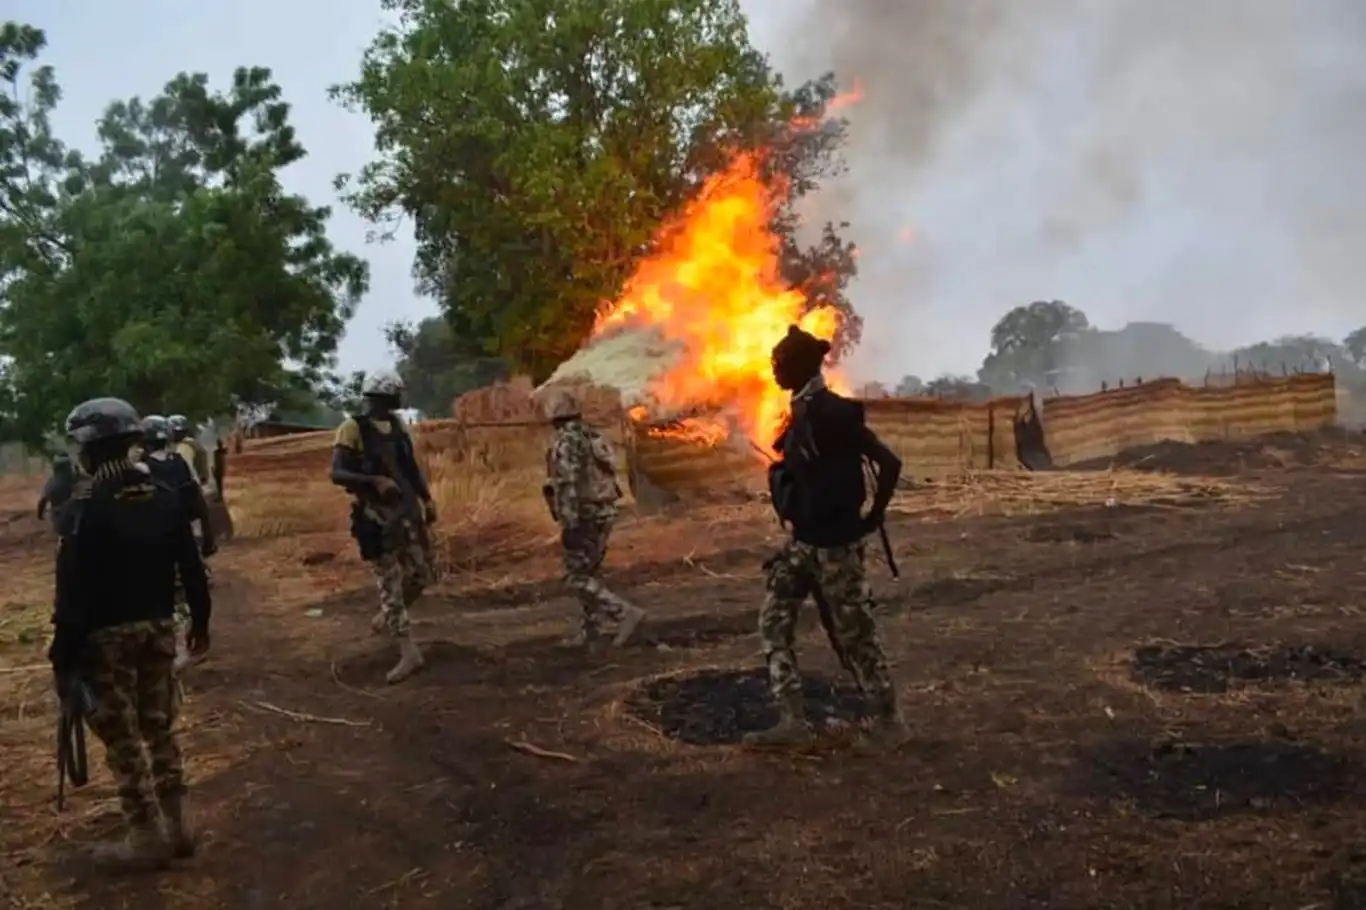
x=197 y=641
x=384 y=486
x=208 y=548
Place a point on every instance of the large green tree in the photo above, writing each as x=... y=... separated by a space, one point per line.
x=1028 y=345
x=171 y=268
x=437 y=366
x=537 y=145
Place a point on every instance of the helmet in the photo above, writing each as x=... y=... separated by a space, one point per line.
x=156 y=430
x=178 y=425
x=102 y=418
x=562 y=404
x=382 y=384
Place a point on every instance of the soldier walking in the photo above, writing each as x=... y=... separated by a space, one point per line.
x=581 y=490
x=392 y=510
x=819 y=489
x=124 y=538
x=171 y=469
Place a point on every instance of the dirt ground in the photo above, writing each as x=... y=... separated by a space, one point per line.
x=1113 y=706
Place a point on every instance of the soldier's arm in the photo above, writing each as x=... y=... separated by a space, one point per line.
x=347 y=452
x=69 y=616
x=887 y=469
x=192 y=573
x=568 y=461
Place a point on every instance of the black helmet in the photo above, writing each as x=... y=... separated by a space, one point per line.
x=156 y=431
x=102 y=418
x=179 y=426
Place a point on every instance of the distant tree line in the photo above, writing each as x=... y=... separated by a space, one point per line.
x=1051 y=347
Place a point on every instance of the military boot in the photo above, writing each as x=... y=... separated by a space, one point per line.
x=791 y=729
x=887 y=731
x=179 y=836
x=409 y=660
x=630 y=621
x=143 y=848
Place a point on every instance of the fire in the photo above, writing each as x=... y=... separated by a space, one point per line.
x=713 y=286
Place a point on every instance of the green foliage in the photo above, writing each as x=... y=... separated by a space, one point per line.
x=956 y=387
x=1027 y=345
x=910 y=386
x=173 y=269
x=1355 y=346
x=437 y=366
x=537 y=145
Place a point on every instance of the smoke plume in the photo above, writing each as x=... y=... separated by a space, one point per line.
x=1195 y=163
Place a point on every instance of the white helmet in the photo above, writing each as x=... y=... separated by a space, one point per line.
x=384 y=383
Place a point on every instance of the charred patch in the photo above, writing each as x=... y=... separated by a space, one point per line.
x=1069 y=533
x=959 y=590
x=696 y=631
x=719 y=708
x=1209 y=670
x=1194 y=781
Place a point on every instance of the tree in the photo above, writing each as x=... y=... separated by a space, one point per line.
x=537 y=146
x=956 y=387
x=437 y=367
x=1355 y=346
x=172 y=269
x=910 y=386
x=1027 y=345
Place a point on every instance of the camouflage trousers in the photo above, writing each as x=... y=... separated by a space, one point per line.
x=839 y=574
x=585 y=547
x=403 y=570
x=182 y=606
x=136 y=701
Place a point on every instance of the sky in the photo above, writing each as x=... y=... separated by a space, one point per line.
x=1197 y=162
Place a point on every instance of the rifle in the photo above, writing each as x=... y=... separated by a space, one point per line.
x=72 y=763
x=405 y=488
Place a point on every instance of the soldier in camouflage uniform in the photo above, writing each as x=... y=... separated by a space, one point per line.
x=821 y=497
x=581 y=490
x=392 y=510
x=124 y=537
x=171 y=468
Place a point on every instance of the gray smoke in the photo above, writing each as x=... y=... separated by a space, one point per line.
x=1194 y=162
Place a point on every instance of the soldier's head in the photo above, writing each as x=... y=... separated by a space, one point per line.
x=156 y=432
x=178 y=426
x=382 y=392
x=102 y=430
x=562 y=406
x=798 y=358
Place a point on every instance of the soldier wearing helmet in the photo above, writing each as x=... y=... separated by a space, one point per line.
x=124 y=538
x=58 y=487
x=391 y=512
x=581 y=490
x=171 y=468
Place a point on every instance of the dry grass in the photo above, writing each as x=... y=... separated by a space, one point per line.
x=1025 y=493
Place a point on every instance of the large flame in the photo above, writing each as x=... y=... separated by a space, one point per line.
x=713 y=287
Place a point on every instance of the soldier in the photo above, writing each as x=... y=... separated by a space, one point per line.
x=581 y=490
x=124 y=538
x=173 y=471
x=819 y=489
x=188 y=448
x=58 y=488
x=391 y=511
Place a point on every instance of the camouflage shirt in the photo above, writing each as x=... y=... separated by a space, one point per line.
x=581 y=472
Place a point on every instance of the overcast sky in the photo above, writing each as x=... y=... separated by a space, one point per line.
x=1198 y=162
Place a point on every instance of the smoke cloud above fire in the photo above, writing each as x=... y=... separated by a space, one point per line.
x=1196 y=162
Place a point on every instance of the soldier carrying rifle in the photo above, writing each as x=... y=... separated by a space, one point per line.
x=818 y=489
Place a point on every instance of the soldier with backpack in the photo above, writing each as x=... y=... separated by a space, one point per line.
x=818 y=489
x=391 y=512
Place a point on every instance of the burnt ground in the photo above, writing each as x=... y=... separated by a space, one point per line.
x=1134 y=708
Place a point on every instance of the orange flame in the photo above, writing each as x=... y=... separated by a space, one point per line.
x=713 y=286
